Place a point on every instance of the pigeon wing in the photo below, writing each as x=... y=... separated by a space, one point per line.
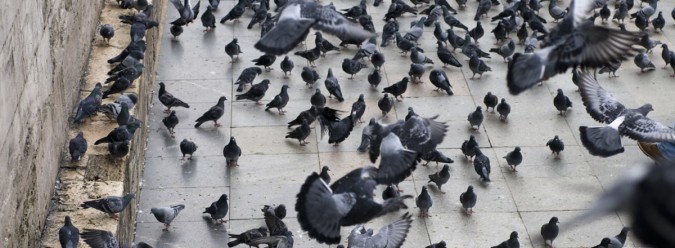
x=99 y=238
x=291 y=28
x=641 y=128
x=177 y=4
x=396 y=163
x=593 y=46
x=332 y=22
x=394 y=234
x=600 y=104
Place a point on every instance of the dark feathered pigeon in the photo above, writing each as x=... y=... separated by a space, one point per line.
x=468 y=147
x=477 y=32
x=416 y=72
x=110 y=205
x=324 y=174
x=468 y=200
x=247 y=76
x=377 y=59
x=397 y=9
x=69 y=235
x=258 y=16
x=374 y=78
x=549 y=231
x=440 y=244
x=297 y=17
x=359 y=108
x=88 y=105
x=505 y=50
x=208 y=19
x=218 y=209
x=446 y=56
x=452 y=21
x=266 y=61
x=436 y=156
x=482 y=10
x=475 y=119
x=504 y=109
x=300 y=133
x=267 y=25
x=352 y=67
x=561 y=102
x=310 y=55
x=643 y=62
x=512 y=242
x=610 y=68
x=233 y=49
x=121 y=133
x=247 y=236
x=231 y=152
x=213 y=114
x=385 y=104
x=333 y=86
x=100 y=239
x=404 y=44
x=166 y=215
x=279 y=101
x=286 y=66
x=522 y=33
x=388 y=32
x=309 y=76
x=478 y=66
x=440 y=80
x=118 y=149
x=77 y=147
x=187 y=147
x=107 y=32
x=666 y=53
x=490 y=101
x=168 y=100
x=235 y=13
x=556 y=145
x=481 y=164
x=307 y=115
x=398 y=88
x=170 y=123
x=391 y=235
x=514 y=158
x=441 y=177
x=338 y=130
x=323 y=45
x=318 y=99
x=424 y=202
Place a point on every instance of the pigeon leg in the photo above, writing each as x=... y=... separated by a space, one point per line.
x=258 y=103
x=216 y=124
x=114 y=216
x=183 y=158
x=168 y=110
x=399 y=100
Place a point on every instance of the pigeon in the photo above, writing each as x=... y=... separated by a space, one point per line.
x=468 y=148
x=187 y=147
x=351 y=66
x=500 y=31
x=390 y=192
x=468 y=200
x=446 y=57
x=121 y=133
x=442 y=243
x=453 y=22
x=167 y=214
x=397 y=9
x=318 y=99
x=297 y=17
x=366 y=134
x=311 y=114
x=514 y=158
x=397 y=162
x=107 y=32
x=359 y=108
x=415 y=73
x=112 y=110
x=247 y=236
x=481 y=164
x=258 y=16
x=648 y=43
x=170 y=123
x=398 y=88
x=374 y=78
x=309 y=75
x=231 y=152
x=391 y=235
x=208 y=19
x=549 y=231
x=646 y=11
x=286 y=66
x=324 y=174
x=281 y=240
x=505 y=50
x=424 y=202
x=310 y=55
x=477 y=32
x=672 y=63
x=218 y=209
x=385 y=104
x=561 y=103
x=214 y=4
x=235 y=13
x=569 y=44
x=104 y=239
x=247 y=76
x=119 y=85
x=504 y=109
x=168 y=100
x=512 y=242
x=348 y=201
x=77 y=147
x=366 y=49
x=87 y=106
x=522 y=33
x=531 y=43
x=441 y=177
x=404 y=44
x=233 y=49
x=187 y=12
x=338 y=130
x=642 y=23
x=279 y=101
x=69 y=235
x=267 y=25
x=556 y=11
x=440 y=80
x=621 y=12
x=213 y=114
x=436 y=156
x=610 y=68
x=440 y=34
x=416 y=30
x=482 y=10
x=476 y=119
x=643 y=62
x=604 y=243
x=110 y=205
x=388 y=32
x=418 y=57
x=490 y=101
x=118 y=149
x=478 y=66
x=556 y=145
x=377 y=59
x=266 y=60
x=323 y=45
x=666 y=53
x=333 y=86
x=300 y=133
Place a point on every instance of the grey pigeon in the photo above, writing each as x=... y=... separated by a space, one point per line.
x=213 y=114
x=333 y=86
x=436 y=156
x=397 y=9
x=556 y=145
x=187 y=147
x=309 y=76
x=475 y=119
x=396 y=162
x=166 y=215
x=416 y=31
x=404 y=44
x=441 y=177
x=234 y=14
x=666 y=53
x=374 y=78
x=643 y=62
x=646 y=11
x=366 y=134
x=512 y=242
x=453 y=22
x=300 y=133
x=514 y=158
x=77 y=147
x=351 y=66
x=440 y=34
x=477 y=32
x=470 y=49
x=218 y=209
x=522 y=33
x=549 y=231
x=170 y=123
x=481 y=164
x=415 y=73
x=377 y=59
x=605 y=13
x=468 y=147
x=286 y=66
x=391 y=235
x=214 y=3
x=440 y=80
x=642 y=23
x=504 y=109
x=282 y=240
x=107 y=32
x=247 y=236
x=267 y=25
x=233 y=49
x=397 y=89
x=279 y=101
x=366 y=49
x=168 y=100
x=385 y=104
x=648 y=43
x=69 y=235
x=468 y=200
x=483 y=8
x=208 y=19
x=478 y=66
x=424 y=202
x=388 y=32
x=297 y=17
x=318 y=99
x=118 y=149
x=561 y=102
x=621 y=12
x=186 y=11
x=231 y=152
x=247 y=76
x=87 y=106
x=556 y=11
x=324 y=45
x=112 y=110
x=574 y=42
x=531 y=43
x=121 y=133
x=505 y=50
x=610 y=68
x=258 y=16
x=324 y=174
x=490 y=101
x=418 y=57
x=266 y=60
x=619 y=240
x=446 y=56
x=359 y=108
x=110 y=205
x=100 y=239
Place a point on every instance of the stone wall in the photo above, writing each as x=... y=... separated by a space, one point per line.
x=44 y=46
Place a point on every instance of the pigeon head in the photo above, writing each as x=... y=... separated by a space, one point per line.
x=553 y=221
x=284 y=87
x=223 y=197
x=469 y=189
x=479 y=109
x=173 y=113
x=446 y=167
x=503 y=100
x=605 y=242
x=645 y=109
x=514 y=235
x=556 y=137
x=477 y=151
x=624 y=231
x=560 y=91
x=472 y=138
x=129 y=196
x=371 y=122
x=318 y=34
x=517 y=149
x=424 y=189
x=361 y=98
x=235 y=40
x=80 y=135
x=133 y=97
x=324 y=169
x=67 y=221
x=232 y=140
x=265 y=82
x=161 y=85
x=221 y=100
x=97 y=87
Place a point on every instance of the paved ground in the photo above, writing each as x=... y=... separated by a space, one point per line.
x=195 y=69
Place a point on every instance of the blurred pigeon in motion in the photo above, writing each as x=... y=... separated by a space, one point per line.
x=300 y=133
x=388 y=32
x=231 y=152
x=514 y=158
x=481 y=164
x=442 y=243
x=186 y=11
x=297 y=17
x=504 y=109
x=309 y=76
x=505 y=50
x=247 y=76
x=397 y=89
x=118 y=149
x=247 y=236
x=468 y=200
x=168 y=100
x=556 y=11
x=111 y=205
x=267 y=24
x=490 y=101
x=549 y=231
x=610 y=68
x=312 y=113
x=338 y=130
x=396 y=163
x=213 y=114
x=642 y=23
x=366 y=49
x=324 y=174
x=167 y=214
x=424 y=202
x=643 y=62
x=366 y=134
x=441 y=177
x=475 y=119
x=170 y=123
x=561 y=102
x=208 y=19
x=391 y=235
x=478 y=66
x=385 y=104
x=77 y=147
x=436 y=156
x=440 y=80
x=574 y=42
x=352 y=67
x=259 y=15
x=333 y=86
x=556 y=145
x=218 y=209
x=187 y=147
x=512 y=242
x=89 y=104
x=390 y=192
x=69 y=235
x=235 y=13
x=233 y=49
x=620 y=239
x=104 y=239
x=522 y=33
x=286 y=66
x=279 y=101
x=646 y=11
x=374 y=78
x=359 y=108
x=318 y=99
x=468 y=148
x=482 y=10
x=634 y=123
x=107 y=32
x=266 y=60
x=282 y=240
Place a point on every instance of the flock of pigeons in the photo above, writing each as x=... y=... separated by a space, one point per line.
x=574 y=43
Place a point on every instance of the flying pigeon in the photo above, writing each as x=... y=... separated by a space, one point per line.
x=549 y=231
x=77 y=147
x=338 y=130
x=468 y=200
x=168 y=100
x=69 y=235
x=218 y=209
x=231 y=152
x=441 y=177
x=110 y=205
x=166 y=215
x=504 y=109
x=391 y=235
x=514 y=158
x=187 y=147
x=556 y=145
x=213 y=114
x=481 y=164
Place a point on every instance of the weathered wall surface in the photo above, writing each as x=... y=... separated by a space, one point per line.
x=44 y=46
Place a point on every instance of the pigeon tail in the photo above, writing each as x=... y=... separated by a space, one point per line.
x=394 y=204
x=601 y=141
